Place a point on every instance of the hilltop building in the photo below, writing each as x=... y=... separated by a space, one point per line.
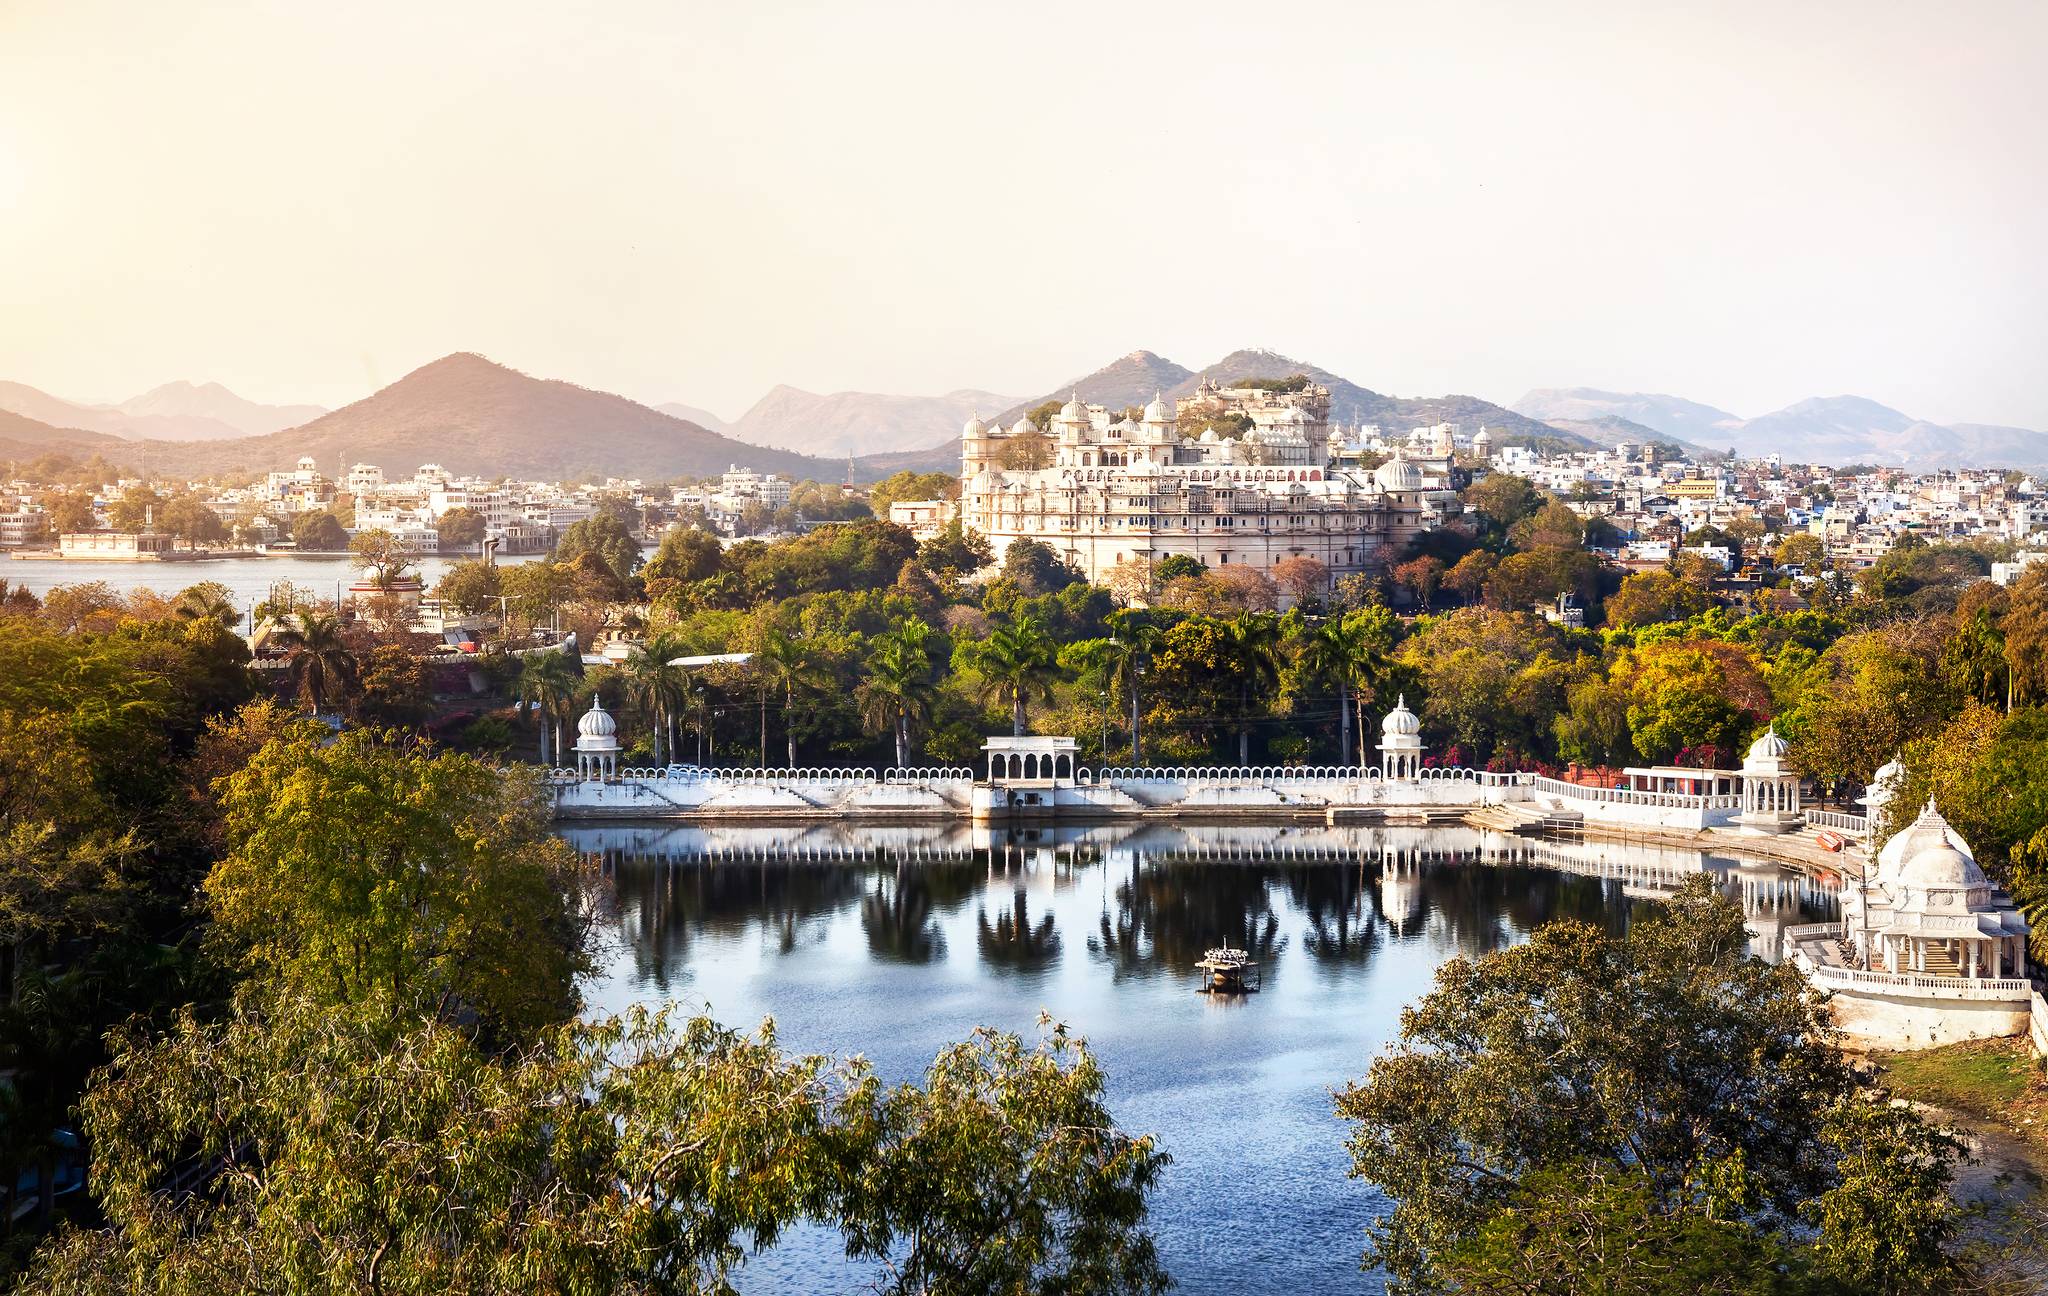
x=1233 y=476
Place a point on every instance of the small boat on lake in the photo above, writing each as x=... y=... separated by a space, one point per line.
x=1228 y=970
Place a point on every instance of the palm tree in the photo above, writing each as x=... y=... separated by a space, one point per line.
x=898 y=690
x=1018 y=663
x=657 y=687
x=1132 y=641
x=323 y=665
x=207 y=601
x=1349 y=652
x=784 y=664
x=549 y=680
x=1254 y=648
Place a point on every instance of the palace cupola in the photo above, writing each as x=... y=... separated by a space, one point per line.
x=597 y=742
x=1770 y=786
x=1401 y=742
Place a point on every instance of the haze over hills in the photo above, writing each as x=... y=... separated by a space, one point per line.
x=1611 y=430
x=703 y=418
x=1674 y=416
x=477 y=417
x=211 y=401
x=1838 y=430
x=858 y=423
x=23 y=439
x=175 y=411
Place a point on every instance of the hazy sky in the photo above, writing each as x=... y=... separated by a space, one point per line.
x=1741 y=203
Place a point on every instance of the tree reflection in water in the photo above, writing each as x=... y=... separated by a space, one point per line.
x=1013 y=941
x=1165 y=897
x=1169 y=914
x=661 y=905
x=1334 y=903
x=899 y=910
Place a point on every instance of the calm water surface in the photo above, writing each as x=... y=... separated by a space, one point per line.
x=894 y=942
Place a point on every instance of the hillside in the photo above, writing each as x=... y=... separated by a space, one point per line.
x=476 y=417
x=1836 y=430
x=176 y=411
x=215 y=404
x=1611 y=430
x=858 y=423
x=1675 y=417
x=703 y=418
x=1131 y=380
x=23 y=438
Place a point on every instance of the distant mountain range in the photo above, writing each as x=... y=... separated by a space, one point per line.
x=1827 y=429
x=855 y=423
x=176 y=411
x=477 y=417
x=468 y=414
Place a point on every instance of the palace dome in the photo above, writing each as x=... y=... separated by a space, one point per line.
x=1074 y=410
x=1400 y=722
x=1942 y=866
x=975 y=427
x=1022 y=426
x=1397 y=475
x=1927 y=833
x=1770 y=746
x=597 y=731
x=1157 y=411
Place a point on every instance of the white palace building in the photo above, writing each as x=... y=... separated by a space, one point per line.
x=1232 y=476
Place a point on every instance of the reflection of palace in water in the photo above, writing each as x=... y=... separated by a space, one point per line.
x=1169 y=892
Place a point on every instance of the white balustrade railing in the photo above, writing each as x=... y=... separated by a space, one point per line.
x=1817 y=931
x=1918 y=981
x=1853 y=824
x=1636 y=797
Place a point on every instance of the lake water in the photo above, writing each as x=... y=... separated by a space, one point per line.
x=892 y=942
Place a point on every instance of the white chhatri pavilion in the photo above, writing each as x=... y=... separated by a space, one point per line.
x=1928 y=909
x=1401 y=742
x=1770 y=787
x=597 y=742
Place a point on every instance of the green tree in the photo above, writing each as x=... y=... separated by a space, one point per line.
x=1017 y=665
x=1502 y=499
x=320 y=531
x=471 y=587
x=1253 y=648
x=324 y=669
x=459 y=528
x=607 y=537
x=1349 y=653
x=548 y=682
x=132 y=512
x=785 y=665
x=955 y=552
x=660 y=689
x=1646 y=598
x=70 y=512
x=1003 y=1173
x=383 y=556
x=624 y=1155
x=897 y=693
x=366 y=873
x=1650 y=1084
x=538 y=590
x=188 y=518
x=909 y=485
